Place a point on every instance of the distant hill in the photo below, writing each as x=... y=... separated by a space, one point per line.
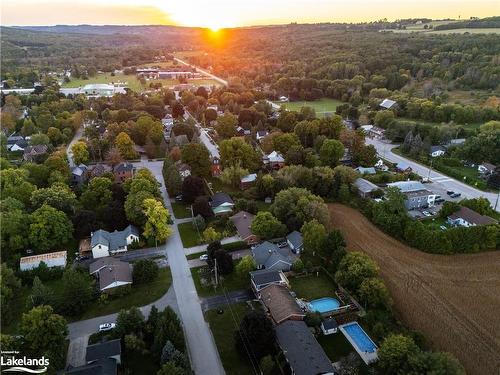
x=113 y=29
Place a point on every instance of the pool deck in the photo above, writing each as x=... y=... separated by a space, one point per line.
x=365 y=356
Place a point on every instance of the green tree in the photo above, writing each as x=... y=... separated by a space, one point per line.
x=157 y=219
x=13 y=218
x=284 y=142
x=236 y=151
x=129 y=321
x=374 y=293
x=232 y=175
x=245 y=265
x=170 y=368
x=394 y=354
x=134 y=207
x=145 y=271
x=266 y=226
x=126 y=146
x=44 y=334
x=354 y=268
x=435 y=363
x=331 y=152
x=58 y=196
x=98 y=195
x=226 y=125
x=211 y=235
x=40 y=293
x=9 y=288
x=77 y=292
x=197 y=157
x=257 y=332
x=14 y=183
x=313 y=234
x=80 y=152
x=49 y=229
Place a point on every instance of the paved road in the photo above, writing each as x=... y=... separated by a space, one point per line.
x=224 y=300
x=69 y=153
x=201 y=346
x=80 y=331
x=202 y=248
x=214 y=77
x=438 y=179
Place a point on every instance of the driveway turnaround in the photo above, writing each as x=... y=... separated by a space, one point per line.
x=201 y=346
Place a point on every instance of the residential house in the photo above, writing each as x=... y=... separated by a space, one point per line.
x=33 y=153
x=247 y=181
x=216 y=166
x=242 y=131
x=280 y=304
x=111 y=273
x=99 y=170
x=295 y=242
x=261 y=134
x=486 y=169
x=436 y=151
x=304 y=354
x=79 y=175
x=388 y=104
x=465 y=217
x=101 y=359
x=329 y=326
x=365 y=187
x=262 y=278
x=123 y=171
x=417 y=195
x=183 y=169
x=403 y=167
x=243 y=221
x=455 y=142
x=269 y=256
x=221 y=204
x=16 y=143
x=275 y=160
x=346 y=159
x=369 y=170
x=104 y=243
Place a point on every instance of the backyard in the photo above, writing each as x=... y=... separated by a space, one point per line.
x=321 y=106
x=335 y=345
x=223 y=327
x=181 y=210
x=313 y=286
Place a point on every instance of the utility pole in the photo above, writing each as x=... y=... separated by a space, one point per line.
x=215 y=270
x=430 y=168
x=496 y=202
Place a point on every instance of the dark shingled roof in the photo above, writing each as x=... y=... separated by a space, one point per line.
x=220 y=198
x=103 y=350
x=304 y=354
x=329 y=323
x=472 y=217
x=263 y=277
x=105 y=366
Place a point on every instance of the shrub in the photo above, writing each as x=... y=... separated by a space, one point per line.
x=145 y=270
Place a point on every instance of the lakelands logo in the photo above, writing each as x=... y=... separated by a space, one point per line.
x=23 y=364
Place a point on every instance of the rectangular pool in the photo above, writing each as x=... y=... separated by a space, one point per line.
x=360 y=341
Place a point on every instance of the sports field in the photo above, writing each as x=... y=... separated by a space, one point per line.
x=321 y=106
x=452 y=299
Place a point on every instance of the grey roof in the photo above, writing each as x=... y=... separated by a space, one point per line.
x=36 y=149
x=249 y=177
x=115 y=272
x=102 y=262
x=124 y=167
x=302 y=351
x=113 y=240
x=103 y=350
x=295 y=238
x=408 y=186
x=220 y=198
x=365 y=186
x=271 y=256
x=107 y=366
x=369 y=170
x=387 y=103
x=437 y=148
x=472 y=217
x=329 y=323
x=264 y=277
x=242 y=221
x=80 y=170
x=99 y=169
x=403 y=166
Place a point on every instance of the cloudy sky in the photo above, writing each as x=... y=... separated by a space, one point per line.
x=229 y=13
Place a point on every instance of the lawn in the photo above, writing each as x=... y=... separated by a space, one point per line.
x=230 y=282
x=335 y=346
x=320 y=106
x=181 y=210
x=223 y=327
x=189 y=235
x=139 y=296
x=312 y=286
x=412 y=122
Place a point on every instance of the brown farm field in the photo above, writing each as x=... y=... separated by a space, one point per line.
x=454 y=300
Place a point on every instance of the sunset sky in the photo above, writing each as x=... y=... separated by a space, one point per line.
x=230 y=13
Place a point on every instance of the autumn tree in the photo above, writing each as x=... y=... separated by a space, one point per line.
x=125 y=145
x=157 y=219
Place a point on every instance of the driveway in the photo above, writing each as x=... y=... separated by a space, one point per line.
x=440 y=182
x=237 y=296
x=200 y=343
x=69 y=153
x=203 y=248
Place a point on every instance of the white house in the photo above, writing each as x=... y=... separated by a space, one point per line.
x=104 y=243
x=436 y=151
x=486 y=168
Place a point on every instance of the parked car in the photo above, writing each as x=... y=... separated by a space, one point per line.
x=442 y=227
x=178 y=198
x=450 y=192
x=455 y=195
x=426 y=213
x=439 y=200
x=204 y=257
x=106 y=327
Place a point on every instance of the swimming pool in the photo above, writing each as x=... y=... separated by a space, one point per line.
x=359 y=337
x=324 y=305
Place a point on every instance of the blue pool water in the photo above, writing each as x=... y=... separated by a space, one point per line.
x=359 y=336
x=324 y=305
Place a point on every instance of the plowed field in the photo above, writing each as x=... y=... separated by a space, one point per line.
x=454 y=300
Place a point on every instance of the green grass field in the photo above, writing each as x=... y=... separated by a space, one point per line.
x=312 y=286
x=230 y=282
x=189 y=235
x=181 y=210
x=320 y=106
x=223 y=327
x=463 y=31
x=335 y=346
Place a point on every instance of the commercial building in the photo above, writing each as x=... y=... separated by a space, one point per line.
x=417 y=195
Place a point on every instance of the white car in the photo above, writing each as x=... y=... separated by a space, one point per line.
x=427 y=213
x=106 y=327
x=204 y=257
